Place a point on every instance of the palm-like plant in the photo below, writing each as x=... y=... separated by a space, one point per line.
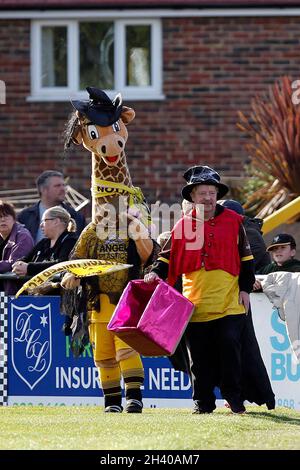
x=274 y=127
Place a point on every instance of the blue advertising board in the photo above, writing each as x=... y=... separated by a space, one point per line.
x=42 y=369
x=281 y=363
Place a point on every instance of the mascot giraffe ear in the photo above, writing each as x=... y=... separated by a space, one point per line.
x=77 y=136
x=127 y=115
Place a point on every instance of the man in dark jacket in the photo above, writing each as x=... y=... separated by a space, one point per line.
x=256 y=381
x=51 y=188
x=254 y=234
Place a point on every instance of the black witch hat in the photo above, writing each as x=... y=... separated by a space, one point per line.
x=100 y=109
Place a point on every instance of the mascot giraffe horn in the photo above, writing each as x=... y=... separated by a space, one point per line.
x=118 y=232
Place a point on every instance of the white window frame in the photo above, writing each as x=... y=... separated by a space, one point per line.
x=39 y=93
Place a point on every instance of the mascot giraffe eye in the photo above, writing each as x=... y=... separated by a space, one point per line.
x=116 y=126
x=93 y=132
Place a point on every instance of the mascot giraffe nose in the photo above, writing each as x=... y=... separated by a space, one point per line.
x=103 y=148
x=111 y=145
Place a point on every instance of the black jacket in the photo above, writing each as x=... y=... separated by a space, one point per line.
x=30 y=217
x=257 y=244
x=42 y=256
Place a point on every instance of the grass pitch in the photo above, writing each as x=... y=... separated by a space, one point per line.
x=88 y=428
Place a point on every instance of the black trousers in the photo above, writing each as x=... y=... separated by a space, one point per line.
x=215 y=351
x=256 y=383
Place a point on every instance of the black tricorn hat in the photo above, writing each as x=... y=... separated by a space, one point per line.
x=202 y=175
x=100 y=109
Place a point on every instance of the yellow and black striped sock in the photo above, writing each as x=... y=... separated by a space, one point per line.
x=133 y=374
x=110 y=382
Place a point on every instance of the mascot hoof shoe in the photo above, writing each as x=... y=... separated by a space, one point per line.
x=134 y=406
x=113 y=409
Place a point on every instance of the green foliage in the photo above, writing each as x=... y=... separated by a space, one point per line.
x=256 y=181
x=273 y=131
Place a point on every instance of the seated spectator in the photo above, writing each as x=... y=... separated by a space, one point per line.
x=283 y=250
x=58 y=228
x=15 y=242
x=254 y=234
x=51 y=188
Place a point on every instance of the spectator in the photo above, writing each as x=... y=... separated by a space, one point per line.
x=15 y=242
x=283 y=250
x=254 y=234
x=58 y=228
x=51 y=188
x=217 y=277
x=256 y=381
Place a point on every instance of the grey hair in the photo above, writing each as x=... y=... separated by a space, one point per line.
x=58 y=212
x=42 y=179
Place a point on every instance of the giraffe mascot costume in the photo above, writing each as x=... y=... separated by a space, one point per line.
x=117 y=233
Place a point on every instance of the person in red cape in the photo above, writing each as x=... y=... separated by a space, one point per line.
x=209 y=249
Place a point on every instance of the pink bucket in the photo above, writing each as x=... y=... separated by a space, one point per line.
x=151 y=318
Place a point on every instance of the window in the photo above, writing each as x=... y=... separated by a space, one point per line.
x=54 y=56
x=138 y=56
x=114 y=55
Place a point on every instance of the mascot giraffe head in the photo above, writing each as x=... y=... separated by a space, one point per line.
x=99 y=124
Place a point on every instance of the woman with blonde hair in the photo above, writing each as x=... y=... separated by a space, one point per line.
x=59 y=230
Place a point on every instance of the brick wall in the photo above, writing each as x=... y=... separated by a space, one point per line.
x=212 y=68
